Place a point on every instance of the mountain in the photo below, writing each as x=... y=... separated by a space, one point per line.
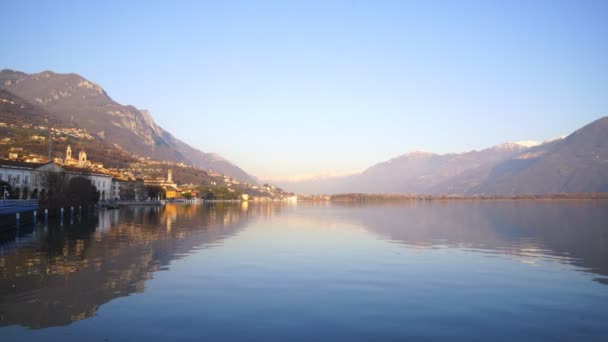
x=413 y=172
x=417 y=172
x=17 y=110
x=321 y=185
x=72 y=99
x=20 y=121
x=577 y=163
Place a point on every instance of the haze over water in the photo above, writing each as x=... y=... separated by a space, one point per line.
x=474 y=270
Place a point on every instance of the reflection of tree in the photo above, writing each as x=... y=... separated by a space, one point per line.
x=66 y=274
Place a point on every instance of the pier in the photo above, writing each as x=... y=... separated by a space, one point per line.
x=13 y=206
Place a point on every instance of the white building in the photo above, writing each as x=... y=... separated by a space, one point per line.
x=25 y=179
x=115 y=192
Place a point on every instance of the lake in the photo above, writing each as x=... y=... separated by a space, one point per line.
x=466 y=270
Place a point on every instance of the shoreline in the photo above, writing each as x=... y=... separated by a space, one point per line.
x=361 y=197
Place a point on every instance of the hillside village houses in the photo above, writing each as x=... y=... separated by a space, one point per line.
x=170 y=188
x=25 y=178
x=81 y=162
x=24 y=175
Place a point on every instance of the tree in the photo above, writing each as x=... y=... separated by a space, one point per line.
x=63 y=191
x=15 y=193
x=5 y=187
x=154 y=191
x=127 y=190
x=81 y=191
x=218 y=193
x=55 y=184
x=208 y=195
x=140 y=190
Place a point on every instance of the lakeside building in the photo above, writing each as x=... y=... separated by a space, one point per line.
x=115 y=187
x=171 y=189
x=25 y=179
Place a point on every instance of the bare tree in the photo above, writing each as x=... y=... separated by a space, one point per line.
x=55 y=184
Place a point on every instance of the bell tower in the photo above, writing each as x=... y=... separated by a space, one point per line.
x=82 y=158
x=68 y=153
x=170 y=176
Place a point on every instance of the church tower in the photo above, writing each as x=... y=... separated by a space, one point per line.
x=82 y=158
x=170 y=176
x=68 y=154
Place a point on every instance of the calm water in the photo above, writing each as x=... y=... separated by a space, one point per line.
x=312 y=272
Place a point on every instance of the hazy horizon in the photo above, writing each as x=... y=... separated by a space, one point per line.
x=336 y=170
x=299 y=89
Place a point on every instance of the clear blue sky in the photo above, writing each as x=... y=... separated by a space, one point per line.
x=286 y=88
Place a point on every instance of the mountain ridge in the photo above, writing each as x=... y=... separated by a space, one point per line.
x=575 y=163
x=74 y=99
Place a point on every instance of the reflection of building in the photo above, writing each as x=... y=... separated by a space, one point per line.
x=170 y=188
x=26 y=179
x=71 y=275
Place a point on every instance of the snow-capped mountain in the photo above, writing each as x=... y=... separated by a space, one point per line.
x=576 y=163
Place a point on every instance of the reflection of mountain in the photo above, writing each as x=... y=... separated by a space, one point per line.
x=569 y=232
x=67 y=273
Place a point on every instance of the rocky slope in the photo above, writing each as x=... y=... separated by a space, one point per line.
x=577 y=163
x=72 y=99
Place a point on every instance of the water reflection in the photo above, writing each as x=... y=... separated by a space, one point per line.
x=571 y=232
x=58 y=275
